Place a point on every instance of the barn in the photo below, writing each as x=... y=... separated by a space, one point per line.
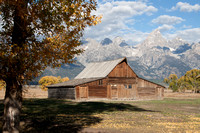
x=107 y=80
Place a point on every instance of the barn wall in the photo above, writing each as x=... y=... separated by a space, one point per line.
x=118 y=88
x=127 y=93
x=61 y=93
x=149 y=90
x=114 y=88
x=145 y=83
x=96 y=83
x=95 y=89
x=97 y=92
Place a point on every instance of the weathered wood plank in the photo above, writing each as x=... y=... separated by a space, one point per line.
x=97 y=91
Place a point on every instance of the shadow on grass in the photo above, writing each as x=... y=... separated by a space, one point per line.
x=64 y=116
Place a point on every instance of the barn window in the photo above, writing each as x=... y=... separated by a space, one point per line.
x=129 y=86
x=100 y=82
x=125 y=86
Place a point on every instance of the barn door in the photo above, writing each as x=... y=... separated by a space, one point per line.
x=83 y=92
x=160 y=93
x=114 y=92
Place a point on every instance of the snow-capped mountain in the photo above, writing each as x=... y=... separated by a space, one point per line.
x=95 y=51
x=154 y=58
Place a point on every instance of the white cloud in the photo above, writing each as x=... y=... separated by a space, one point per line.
x=166 y=19
x=117 y=16
x=186 y=7
x=190 y=35
x=135 y=37
x=165 y=27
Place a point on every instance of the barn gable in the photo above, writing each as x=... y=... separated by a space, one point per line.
x=122 y=69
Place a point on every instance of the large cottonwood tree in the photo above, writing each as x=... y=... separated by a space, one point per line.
x=35 y=34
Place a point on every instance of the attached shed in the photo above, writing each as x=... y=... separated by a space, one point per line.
x=107 y=80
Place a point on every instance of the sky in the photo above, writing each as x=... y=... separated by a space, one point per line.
x=133 y=20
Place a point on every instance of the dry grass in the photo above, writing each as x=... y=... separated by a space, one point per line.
x=29 y=93
x=177 y=113
x=179 y=95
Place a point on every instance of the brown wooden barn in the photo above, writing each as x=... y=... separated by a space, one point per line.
x=107 y=80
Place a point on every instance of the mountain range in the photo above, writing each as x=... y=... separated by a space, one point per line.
x=154 y=58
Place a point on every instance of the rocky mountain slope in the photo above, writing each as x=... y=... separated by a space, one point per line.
x=154 y=58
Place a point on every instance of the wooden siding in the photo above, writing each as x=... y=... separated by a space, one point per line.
x=122 y=92
x=97 y=92
x=122 y=70
x=61 y=93
x=146 y=91
x=77 y=93
x=145 y=83
x=122 y=80
x=96 y=83
x=83 y=92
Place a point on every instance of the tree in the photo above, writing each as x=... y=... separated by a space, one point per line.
x=35 y=34
x=2 y=84
x=189 y=81
x=172 y=81
x=198 y=77
x=48 y=80
x=183 y=84
x=64 y=79
x=191 y=78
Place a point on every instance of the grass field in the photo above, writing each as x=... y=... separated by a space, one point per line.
x=168 y=115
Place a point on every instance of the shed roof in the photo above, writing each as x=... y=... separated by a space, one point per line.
x=99 y=69
x=73 y=82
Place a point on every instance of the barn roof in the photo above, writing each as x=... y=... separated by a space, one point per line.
x=73 y=82
x=99 y=69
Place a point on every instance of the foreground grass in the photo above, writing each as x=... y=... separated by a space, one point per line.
x=169 y=115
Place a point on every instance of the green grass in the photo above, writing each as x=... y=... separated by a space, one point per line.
x=174 y=101
x=48 y=115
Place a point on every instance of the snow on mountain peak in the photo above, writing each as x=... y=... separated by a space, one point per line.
x=176 y=42
x=155 y=38
x=117 y=40
x=154 y=33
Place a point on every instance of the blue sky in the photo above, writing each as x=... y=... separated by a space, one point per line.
x=133 y=20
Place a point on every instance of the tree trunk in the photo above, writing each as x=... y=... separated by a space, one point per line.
x=12 y=106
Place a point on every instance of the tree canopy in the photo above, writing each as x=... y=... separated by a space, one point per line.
x=35 y=34
x=189 y=81
x=2 y=84
x=40 y=33
x=172 y=81
x=49 y=80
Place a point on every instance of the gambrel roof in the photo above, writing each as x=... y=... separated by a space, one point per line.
x=99 y=69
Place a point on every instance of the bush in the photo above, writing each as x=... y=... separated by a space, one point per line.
x=49 y=80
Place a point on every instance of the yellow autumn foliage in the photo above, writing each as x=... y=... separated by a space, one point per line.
x=190 y=81
x=49 y=80
x=2 y=84
x=64 y=79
